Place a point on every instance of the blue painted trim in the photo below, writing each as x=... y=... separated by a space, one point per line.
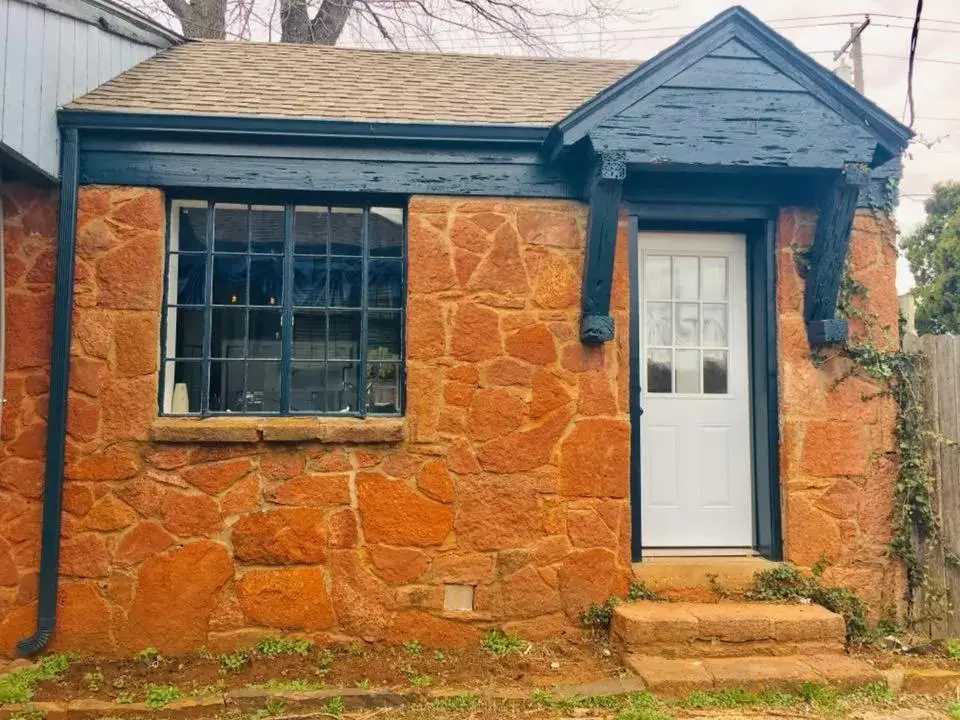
x=57 y=411
x=636 y=396
x=837 y=210
x=734 y=24
x=297 y=127
x=604 y=191
x=827 y=332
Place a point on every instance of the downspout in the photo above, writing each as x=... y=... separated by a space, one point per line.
x=57 y=412
x=3 y=309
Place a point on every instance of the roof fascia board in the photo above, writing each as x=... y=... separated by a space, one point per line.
x=307 y=128
x=735 y=23
x=112 y=19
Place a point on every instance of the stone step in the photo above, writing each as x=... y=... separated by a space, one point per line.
x=726 y=629
x=697 y=579
x=678 y=677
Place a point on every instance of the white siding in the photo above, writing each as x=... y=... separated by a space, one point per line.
x=47 y=60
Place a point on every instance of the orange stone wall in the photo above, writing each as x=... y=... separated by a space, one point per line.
x=837 y=450
x=513 y=477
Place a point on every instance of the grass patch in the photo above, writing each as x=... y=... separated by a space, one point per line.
x=275 y=647
x=159 y=696
x=456 y=703
x=334 y=707
x=500 y=643
x=643 y=706
x=737 y=698
x=953 y=710
x=235 y=661
x=294 y=685
x=952 y=647
x=421 y=681
x=149 y=656
x=413 y=647
x=17 y=686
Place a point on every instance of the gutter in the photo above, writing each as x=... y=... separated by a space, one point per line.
x=57 y=411
x=314 y=129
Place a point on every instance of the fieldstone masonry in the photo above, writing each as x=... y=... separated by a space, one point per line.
x=513 y=475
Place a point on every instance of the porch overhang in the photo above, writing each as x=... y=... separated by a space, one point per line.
x=733 y=97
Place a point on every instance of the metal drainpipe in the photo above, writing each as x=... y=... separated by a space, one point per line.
x=3 y=309
x=57 y=412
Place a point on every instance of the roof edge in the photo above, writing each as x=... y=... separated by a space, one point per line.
x=513 y=135
x=113 y=18
x=891 y=133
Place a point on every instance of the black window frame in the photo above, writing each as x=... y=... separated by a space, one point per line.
x=289 y=205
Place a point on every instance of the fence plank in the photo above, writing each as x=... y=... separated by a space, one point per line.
x=942 y=401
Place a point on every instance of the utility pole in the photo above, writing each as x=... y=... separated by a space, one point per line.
x=856 y=52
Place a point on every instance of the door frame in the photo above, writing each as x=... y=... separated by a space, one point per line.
x=758 y=224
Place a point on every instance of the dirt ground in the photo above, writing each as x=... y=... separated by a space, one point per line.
x=567 y=660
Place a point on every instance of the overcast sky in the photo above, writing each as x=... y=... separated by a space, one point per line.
x=818 y=27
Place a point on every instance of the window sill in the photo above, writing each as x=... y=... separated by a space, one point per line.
x=334 y=431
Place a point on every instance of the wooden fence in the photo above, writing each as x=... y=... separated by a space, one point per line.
x=942 y=402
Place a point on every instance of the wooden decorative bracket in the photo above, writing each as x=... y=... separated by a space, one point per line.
x=603 y=191
x=838 y=206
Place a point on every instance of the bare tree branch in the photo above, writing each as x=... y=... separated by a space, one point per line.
x=504 y=25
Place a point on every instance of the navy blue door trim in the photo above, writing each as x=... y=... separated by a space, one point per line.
x=759 y=226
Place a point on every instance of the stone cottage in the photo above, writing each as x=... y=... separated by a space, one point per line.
x=379 y=345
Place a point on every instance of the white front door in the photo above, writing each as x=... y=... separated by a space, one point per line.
x=695 y=437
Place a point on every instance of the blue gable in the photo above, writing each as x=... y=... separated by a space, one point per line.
x=734 y=93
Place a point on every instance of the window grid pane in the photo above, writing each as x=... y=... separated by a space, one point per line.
x=687 y=332
x=267 y=310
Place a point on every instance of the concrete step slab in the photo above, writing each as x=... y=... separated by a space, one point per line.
x=684 y=675
x=727 y=629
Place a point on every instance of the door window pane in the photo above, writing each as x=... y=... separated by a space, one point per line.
x=343 y=387
x=186 y=381
x=715 y=372
x=713 y=278
x=189 y=331
x=688 y=371
x=686 y=278
x=659 y=324
x=266 y=280
x=344 y=343
x=714 y=325
x=688 y=324
x=226 y=386
x=656 y=277
x=659 y=373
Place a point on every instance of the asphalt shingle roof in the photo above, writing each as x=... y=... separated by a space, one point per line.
x=311 y=81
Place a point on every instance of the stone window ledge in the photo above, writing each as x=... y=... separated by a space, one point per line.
x=335 y=431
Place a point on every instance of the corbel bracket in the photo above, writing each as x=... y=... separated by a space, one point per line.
x=838 y=206
x=603 y=190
